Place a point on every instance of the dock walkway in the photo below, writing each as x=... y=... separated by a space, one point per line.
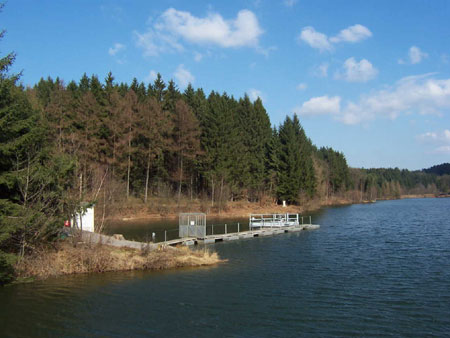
x=239 y=235
x=95 y=238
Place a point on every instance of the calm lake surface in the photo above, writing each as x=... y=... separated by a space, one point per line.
x=370 y=270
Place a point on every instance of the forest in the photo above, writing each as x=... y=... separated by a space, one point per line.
x=113 y=143
x=137 y=141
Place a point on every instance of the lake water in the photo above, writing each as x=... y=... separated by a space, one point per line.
x=370 y=270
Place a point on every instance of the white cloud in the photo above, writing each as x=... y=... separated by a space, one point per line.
x=198 y=56
x=415 y=55
x=302 y=86
x=321 y=105
x=315 y=39
x=321 y=41
x=154 y=43
x=116 y=49
x=410 y=95
x=442 y=150
x=436 y=136
x=414 y=94
x=352 y=34
x=151 y=76
x=289 y=3
x=447 y=135
x=183 y=76
x=265 y=51
x=113 y=12
x=253 y=94
x=322 y=70
x=440 y=140
x=428 y=136
x=174 y=25
x=354 y=71
x=242 y=31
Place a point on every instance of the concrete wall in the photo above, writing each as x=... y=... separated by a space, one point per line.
x=94 y=238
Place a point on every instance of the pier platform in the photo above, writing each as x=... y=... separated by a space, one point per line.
x=263 y=231
x=239 y=235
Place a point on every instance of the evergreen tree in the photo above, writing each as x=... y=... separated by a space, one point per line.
x=186 y=139
x=154 y=127
x=158 y=88
x=171 y=96
x=273 y=152
x=33 y=180
x=296 y=176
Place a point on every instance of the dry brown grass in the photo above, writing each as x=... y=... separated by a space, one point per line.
x=67 y=258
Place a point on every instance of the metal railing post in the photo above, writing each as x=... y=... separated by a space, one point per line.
x=302 y=220
x=238 y=227
x=225 y=229
x=212 y=229
x=310 y=220
x=165 y=235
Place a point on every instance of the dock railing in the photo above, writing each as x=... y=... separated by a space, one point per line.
x=273 y=220
x=160 y=236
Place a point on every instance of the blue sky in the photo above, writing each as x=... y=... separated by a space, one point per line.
x=368 y=78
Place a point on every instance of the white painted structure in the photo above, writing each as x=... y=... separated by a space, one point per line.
x=84 y=220
x=273 y=220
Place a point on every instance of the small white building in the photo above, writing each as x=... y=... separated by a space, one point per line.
x=84 y=220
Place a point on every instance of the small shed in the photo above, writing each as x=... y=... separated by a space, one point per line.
x=192 y=225
x=84 y=220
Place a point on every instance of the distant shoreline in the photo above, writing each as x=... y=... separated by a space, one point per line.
x=243 y=209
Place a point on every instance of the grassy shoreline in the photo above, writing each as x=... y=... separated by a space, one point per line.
x=68 y=257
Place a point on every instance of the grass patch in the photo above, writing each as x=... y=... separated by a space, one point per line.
x=66 y=258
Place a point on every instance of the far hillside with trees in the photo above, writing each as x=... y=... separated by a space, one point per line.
x=440 y=170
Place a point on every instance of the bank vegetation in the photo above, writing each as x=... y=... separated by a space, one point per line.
x=68 y=257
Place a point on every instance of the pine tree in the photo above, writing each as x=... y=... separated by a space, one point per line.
x=186 y=139
x=158 y=88
x=154 y=127
x=273 y=153
x=33 y=180
x=296 y=176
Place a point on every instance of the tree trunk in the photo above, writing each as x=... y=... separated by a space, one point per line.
x=181 y=178
x=27 y=184
x=212 y=192
x=81 y=186
x=128 y=176
x=114 y=156
x=192 y=179
x=147 y=176
x=220 y=195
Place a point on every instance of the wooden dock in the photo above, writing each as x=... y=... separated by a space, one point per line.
x=91 y=237
x=239 y=235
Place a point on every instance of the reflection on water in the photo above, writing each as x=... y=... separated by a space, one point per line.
x=372 y=270
x=142 y=229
